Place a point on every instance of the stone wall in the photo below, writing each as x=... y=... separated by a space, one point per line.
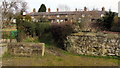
x=96 y=44
x=26 y=49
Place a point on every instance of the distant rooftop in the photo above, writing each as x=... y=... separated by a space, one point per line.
x=85 y=11
x=65 y=13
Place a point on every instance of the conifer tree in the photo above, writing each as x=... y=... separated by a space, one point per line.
x=42 y=8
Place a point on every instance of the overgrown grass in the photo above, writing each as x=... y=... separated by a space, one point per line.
x=106 y=57
x=7 y=55
x=119 y=62
x=63 y=60
x=32 y=39
x=59 y=59
x=47 y=39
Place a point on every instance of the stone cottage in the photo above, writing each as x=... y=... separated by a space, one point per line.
x=71 y=16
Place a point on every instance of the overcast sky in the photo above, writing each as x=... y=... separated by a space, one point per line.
x=72 y=4
x=53 y=4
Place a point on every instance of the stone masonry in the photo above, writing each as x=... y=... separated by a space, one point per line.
x=26 y=49
x=95 y=44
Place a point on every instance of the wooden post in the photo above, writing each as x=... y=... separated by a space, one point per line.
x=10 y=37
x=3 y=36
x=43 y=49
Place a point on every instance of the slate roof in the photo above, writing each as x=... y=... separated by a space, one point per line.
x=66 y=13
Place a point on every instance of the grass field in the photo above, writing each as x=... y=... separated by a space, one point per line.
x=58 y=57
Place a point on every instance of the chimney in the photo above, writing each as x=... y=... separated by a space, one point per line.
x=34 y=10
x=57 y=9
x=76 y=9
x=49 y=10
x=85 y=8
x=103 y=8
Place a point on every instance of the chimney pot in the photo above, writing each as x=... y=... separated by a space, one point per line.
x=85 y=8
x=76 y=9
x=49 y=10
x=103 y=8
x=57 y=9
x=34 y=10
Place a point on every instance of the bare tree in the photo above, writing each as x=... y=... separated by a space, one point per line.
x=11 y=7
x=0 y=23
x=64 y=7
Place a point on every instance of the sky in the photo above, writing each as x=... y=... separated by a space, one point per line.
x=72 y=4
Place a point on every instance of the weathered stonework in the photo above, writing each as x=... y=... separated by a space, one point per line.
x=96 y=44
x=26 y=49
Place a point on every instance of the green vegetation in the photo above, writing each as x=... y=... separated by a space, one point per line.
x=20 y=29
x=9 y=34
x=42 y=8
x=50 y=34
x=47 y=38
x=7 y=55
x=60 y=32
x=30 y=39
x=105 y=57
x=13 y=34
x=106 y=22
x=55 y=34
x=57 y=57
x=42 y=28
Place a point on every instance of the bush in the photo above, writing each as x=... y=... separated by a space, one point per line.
x=47 y=38
x=43 y=32
x=46 y=32
x=60 y=32
x=41 y=28
x=106 y=22
x=31 y=39
x=20 y=28
x=29 y=28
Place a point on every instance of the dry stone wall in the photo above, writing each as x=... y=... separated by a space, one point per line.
x=96 y=44
x=26 y=49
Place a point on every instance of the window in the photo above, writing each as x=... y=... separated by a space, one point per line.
x=66 y=19
x=58 y=15
x=102 y=15
x=58 y=20
x=61 y=20
x=66 y=16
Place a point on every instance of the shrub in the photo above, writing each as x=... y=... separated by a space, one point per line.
x=20 y=28
x=60 y=32
x=43 y=31
x=29 y=28
x=31 y=39
x=47 y=38
x=41 y=28
x=46 y=32
x=106 y=22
